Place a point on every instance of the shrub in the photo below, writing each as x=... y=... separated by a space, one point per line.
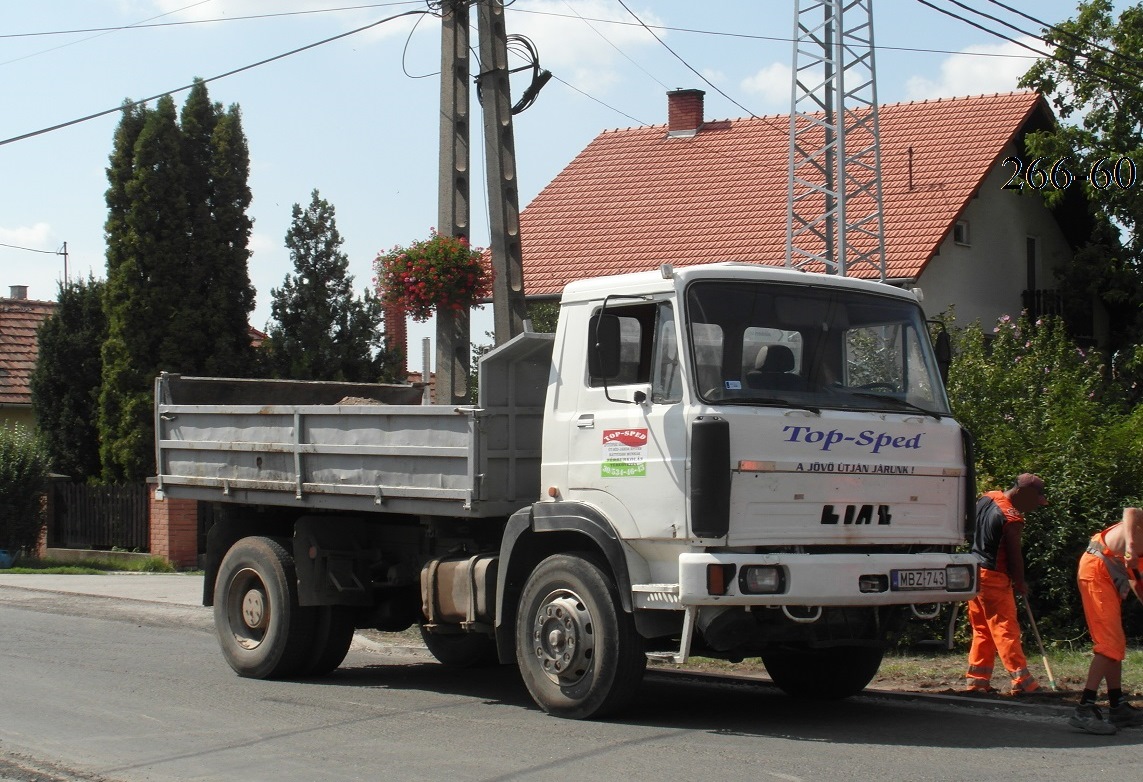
x=24 y=469
x=1035 y=402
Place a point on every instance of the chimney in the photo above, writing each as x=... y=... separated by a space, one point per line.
x=397 y=337
x=684 y=112
x=17 y=291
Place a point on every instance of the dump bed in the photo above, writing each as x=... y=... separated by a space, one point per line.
x=363 y=447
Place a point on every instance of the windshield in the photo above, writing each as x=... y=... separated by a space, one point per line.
x=771 y=343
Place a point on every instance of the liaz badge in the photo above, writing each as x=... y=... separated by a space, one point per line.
x=624 y=453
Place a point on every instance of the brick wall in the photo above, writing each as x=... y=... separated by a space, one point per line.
x=174 y=530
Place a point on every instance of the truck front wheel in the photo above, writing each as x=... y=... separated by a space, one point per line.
x=824 y=674
x=578 y=651
x=263 y=632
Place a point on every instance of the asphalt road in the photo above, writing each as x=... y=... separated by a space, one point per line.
x=128 y=685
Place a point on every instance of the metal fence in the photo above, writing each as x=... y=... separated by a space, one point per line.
x=99 y=517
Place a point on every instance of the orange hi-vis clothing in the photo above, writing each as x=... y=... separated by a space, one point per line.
x=1103 y=584
x=992 y=613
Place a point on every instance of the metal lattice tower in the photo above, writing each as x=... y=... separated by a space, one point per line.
x=834 y=213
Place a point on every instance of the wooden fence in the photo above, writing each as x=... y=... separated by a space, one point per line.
x=99 y=517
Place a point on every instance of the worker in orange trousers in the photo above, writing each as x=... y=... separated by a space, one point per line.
x=992 y=613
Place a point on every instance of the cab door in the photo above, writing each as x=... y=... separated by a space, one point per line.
x=628 y=438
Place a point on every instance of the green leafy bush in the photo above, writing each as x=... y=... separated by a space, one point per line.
x=1035 y=402
x=24 y=468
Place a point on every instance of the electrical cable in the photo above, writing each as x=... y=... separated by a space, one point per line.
x=687 y=64
x=1056 y=29
x=276 y=57
x=613 y=46
x=1110 y=78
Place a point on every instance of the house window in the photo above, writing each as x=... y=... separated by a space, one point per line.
x=960 y=232
x=1031 y=256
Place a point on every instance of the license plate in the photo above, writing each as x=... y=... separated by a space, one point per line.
x=919 y=578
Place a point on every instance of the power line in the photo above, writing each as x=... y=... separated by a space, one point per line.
x=206 y=81
x=142 y=25
x=1058 y=30
x=30 y=249
x=1110 y=76
x=755 y=37
x=687 y=64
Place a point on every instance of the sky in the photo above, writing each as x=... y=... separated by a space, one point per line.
x=357 y=118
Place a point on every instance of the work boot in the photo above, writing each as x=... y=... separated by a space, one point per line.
x=1125 y=715
x=1025 y=687
x=1089 y=719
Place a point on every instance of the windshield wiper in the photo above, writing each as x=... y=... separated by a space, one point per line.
x=898 y=402
x=768 y=401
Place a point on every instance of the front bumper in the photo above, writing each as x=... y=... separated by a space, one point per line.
x=822 y=579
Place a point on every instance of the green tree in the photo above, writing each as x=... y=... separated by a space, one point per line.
x=66 y=380
x=319 y=330
x=1093 y=81
x=24 y=465
x=178 y=293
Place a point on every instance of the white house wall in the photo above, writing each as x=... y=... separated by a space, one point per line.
x=986 y=278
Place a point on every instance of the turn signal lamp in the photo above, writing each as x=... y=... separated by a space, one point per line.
x=718 y=578
x=762 y=580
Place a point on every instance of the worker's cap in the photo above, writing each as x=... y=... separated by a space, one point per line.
x=1032 y=483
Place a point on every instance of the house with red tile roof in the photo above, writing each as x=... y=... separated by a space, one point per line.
x=694 y=191
x=20 y=318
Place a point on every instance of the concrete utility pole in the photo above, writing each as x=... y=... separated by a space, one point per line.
x=835 y=213
x=453 y=326
x=508 y=306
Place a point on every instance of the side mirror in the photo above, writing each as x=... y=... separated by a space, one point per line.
x=603 y=347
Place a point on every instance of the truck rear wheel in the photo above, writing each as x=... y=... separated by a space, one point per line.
x=263 y=632
x=578 y=651
x=333 y=634
x=824 y=674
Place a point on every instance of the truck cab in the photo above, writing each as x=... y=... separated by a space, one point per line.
x=775 y=451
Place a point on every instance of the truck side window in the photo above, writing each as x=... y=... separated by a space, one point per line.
x=666 y=377
x=636 y=332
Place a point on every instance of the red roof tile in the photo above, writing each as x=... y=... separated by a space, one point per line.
x=636 y=198
x=19 y=320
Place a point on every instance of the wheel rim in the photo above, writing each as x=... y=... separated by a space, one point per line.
x=248 y=608
x=563 y=637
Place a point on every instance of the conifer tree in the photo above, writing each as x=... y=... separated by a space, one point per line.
x=319 y=330
x=178 y=292
x=65 y=383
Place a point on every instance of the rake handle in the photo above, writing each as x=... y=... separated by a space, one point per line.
x=1040 y=643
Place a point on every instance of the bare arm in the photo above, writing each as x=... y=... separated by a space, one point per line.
x=1132 y=541
x=1010 y=540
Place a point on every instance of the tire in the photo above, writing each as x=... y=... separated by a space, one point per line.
x=579 y=653
x=263 y=632
x=333 y=634
x=461 y=650
x=824 y=674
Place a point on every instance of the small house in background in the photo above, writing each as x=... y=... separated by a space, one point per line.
x=20 y=318
x=695 y=191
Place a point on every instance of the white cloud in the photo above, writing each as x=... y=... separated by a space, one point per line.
x=570 y=33
x=772 y=85
x=978 y=70
x=34 y=237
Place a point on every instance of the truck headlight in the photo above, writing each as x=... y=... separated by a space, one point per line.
x=762 y=580
x=959 y=578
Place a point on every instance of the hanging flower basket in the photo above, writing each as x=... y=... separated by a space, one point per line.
x=441 y=272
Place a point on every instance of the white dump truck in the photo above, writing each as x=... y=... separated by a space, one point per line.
x=727 y=460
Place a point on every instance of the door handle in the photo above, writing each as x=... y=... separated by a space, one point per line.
x=586 y=421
